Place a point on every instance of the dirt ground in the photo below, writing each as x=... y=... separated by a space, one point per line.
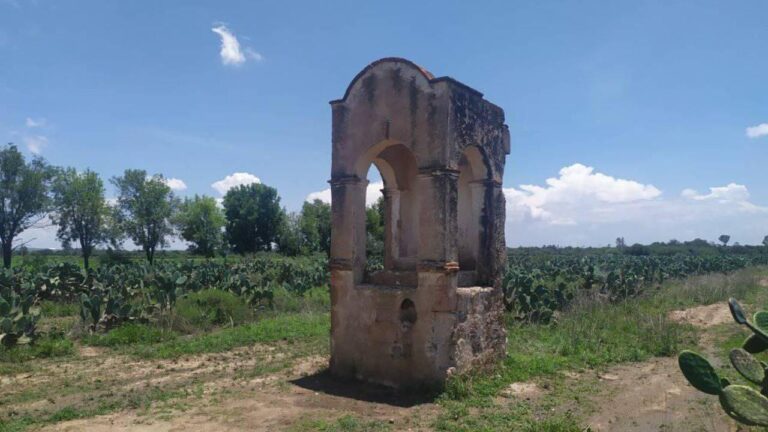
x=267 y=388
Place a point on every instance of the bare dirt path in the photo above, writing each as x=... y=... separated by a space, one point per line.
x=274 y=388
x=654 y=396
x=295 y=398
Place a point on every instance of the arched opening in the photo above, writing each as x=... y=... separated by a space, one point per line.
x=407 y=314
x=392 y=219
x=473 y=176
x=374 y=222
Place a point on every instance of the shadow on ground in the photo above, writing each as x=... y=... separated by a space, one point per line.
x=324 y=382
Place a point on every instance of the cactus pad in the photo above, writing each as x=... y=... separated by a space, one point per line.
x=736 y=311
x=755 y=344
x=748 y=366
x=761 y=320
x=745 y=404
x=699 y=372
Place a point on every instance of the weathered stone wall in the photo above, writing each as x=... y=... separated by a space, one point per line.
x=413 y=324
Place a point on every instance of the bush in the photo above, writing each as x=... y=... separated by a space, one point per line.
x=53 y=309
x=45 y=347
x=130 y=334
x=317 y=299
x=208 y=308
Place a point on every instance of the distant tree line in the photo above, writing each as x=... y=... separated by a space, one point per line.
x=148 y=213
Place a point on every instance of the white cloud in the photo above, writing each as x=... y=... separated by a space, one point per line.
x=231 y=53
x=732 y=192
x=576 y=185
x=372 y=194
x=582 y=207
x=36 y=143
x=757 y=131
x=35 y=123
x=323 y=195
x=235 y=179
x=176 y=184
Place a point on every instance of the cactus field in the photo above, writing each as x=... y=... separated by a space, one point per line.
x=244 y=343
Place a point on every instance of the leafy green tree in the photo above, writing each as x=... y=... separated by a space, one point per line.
x=291 y=240
x=145 y=207
x=724 y=239
x=200 y=222
x=80 y=210
x=315 y=226
x=374 y=228
x=24 y=196
x=254 y=217
x=765 y=241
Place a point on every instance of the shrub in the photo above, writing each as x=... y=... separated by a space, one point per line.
x=317 y=299
x=130 y=334
x=209 y=308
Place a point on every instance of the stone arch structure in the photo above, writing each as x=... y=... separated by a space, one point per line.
x=437 y=305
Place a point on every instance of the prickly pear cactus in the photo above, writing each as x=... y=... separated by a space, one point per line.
x=18 y=320
x=742 y=403
x=104 y=312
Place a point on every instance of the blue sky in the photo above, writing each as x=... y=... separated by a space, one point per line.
x=633 y=110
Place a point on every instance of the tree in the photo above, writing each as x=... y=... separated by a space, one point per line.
x=315 y=226
x=24 y=196
x=290 y=239
x=724 y=239
x=765 y=241
x=145 y=206
x=254 y=217
x=80 y=210
x=620 y=243
x=200 y=221
x=374 y=228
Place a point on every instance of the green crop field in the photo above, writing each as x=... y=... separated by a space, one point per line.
x=568 y=310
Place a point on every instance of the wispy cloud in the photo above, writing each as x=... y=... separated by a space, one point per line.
x=757 y=131
x=35 y=123
x=233 y=180
x=232 y=54
x=35 y=143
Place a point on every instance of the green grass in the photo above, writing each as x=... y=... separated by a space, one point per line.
x=592 y=335
x=16 y=359
x=345 y=423
x=130 y=334
x=134 y=400
x=291 y=328
x=314 y=300
x=52 y=309
x=209 y=308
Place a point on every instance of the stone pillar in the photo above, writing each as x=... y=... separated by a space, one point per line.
x=495 y=243
x=348 y=221
x=391 y=224
x=438 y=247
x=438 y=225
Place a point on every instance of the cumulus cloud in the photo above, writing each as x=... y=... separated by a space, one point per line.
x=757 y=131
x=35 y=123
x=231 y=52
x=235 y=179
x=372 y=194
x=584 y=207
x=176 y=184
x=35 y=143
x=558 y=201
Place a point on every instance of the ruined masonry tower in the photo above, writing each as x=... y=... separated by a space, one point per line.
x=436 y=307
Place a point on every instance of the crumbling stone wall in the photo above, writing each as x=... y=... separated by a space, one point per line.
x=424 y=316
